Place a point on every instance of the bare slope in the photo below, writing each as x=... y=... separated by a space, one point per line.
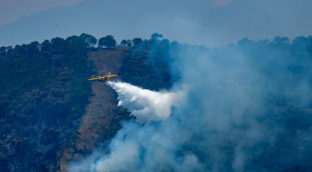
x=103 y=117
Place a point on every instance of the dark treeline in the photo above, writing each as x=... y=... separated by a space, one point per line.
x=44 y=91
x=141 y=70
x=43 y=95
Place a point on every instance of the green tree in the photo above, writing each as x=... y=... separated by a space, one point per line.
x=129 y=43
x=57 y=45
x=73 y=40
x=123 y=43
x=89 y=40
x=137 y=42
x=2 y=51
x=156 y=36
x=45 y=46
x=107 y=41
x=33 y=47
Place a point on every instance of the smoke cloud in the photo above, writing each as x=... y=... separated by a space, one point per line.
x=243 y=111
x=145 y=105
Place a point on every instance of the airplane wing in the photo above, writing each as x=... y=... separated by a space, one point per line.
x=92 y=79
x=101 y=78
x=114 y=75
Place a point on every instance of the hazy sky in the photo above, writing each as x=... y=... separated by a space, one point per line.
x=14 y=10
x=201 y=22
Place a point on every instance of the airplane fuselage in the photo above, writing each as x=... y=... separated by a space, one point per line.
x=104 y=78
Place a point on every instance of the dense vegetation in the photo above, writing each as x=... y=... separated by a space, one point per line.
x=44 y=92
x=43 y=95
x=140 y=67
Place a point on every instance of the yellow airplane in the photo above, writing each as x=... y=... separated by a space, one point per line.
x=104 y=78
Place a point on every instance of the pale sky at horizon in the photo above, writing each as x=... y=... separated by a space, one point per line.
x=202 y=22
x=14 y=10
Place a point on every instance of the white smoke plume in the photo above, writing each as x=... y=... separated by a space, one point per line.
x=153 y=131
x=144 y=104
x=242 y=112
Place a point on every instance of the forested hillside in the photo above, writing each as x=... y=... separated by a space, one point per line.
x=50 y=114
x=43 y=96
